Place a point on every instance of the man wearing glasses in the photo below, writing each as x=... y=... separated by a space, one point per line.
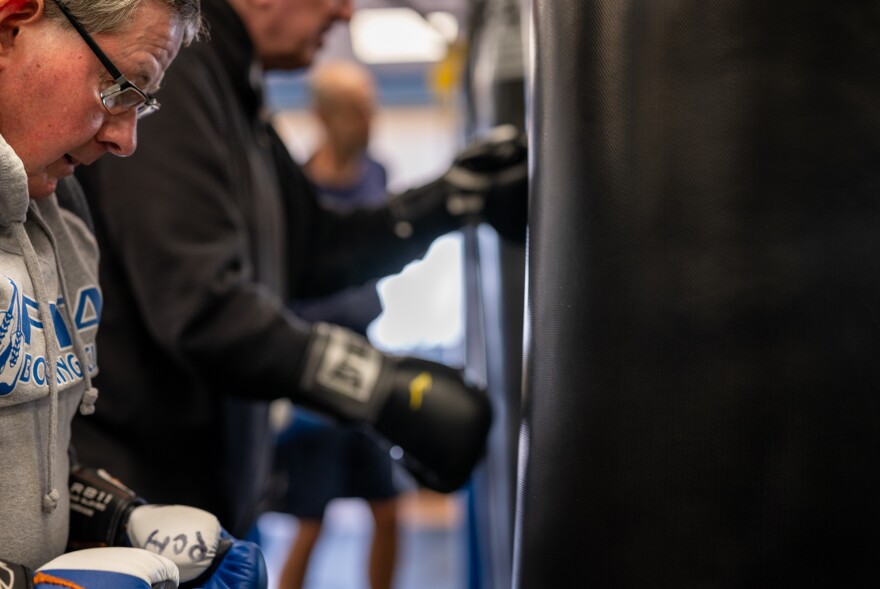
x=216 y=229
x=83 y=105
x=75 y=77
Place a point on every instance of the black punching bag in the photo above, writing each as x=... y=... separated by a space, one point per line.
x=703 y=335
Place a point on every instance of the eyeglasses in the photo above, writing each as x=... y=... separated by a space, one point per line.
x=123 y=95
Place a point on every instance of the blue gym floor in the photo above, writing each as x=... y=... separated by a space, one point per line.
x=432 y=551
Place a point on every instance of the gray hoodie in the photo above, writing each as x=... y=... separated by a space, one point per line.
x=50 y=304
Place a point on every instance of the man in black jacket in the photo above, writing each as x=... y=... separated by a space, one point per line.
x=205 y=234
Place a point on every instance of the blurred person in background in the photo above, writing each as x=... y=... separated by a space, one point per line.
x=317 y=460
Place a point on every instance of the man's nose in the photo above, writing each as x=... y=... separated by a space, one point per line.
x=119 y=133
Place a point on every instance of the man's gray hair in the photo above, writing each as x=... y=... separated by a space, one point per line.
x=108 y=16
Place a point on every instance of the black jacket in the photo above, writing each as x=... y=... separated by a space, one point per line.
x=205 y=233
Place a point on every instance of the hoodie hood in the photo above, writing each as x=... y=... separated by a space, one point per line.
x=13 y=187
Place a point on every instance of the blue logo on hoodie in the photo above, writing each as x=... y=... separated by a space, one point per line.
x=16 y=325
x=11 y=336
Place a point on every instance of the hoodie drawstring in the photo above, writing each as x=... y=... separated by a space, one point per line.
x=50 y=499
x=87 y=405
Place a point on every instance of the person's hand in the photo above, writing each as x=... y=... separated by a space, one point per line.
x=207 y=556
x=104 y=512
x=132 y=568
x=427 y=409
x=489 y=178
x=487 y=181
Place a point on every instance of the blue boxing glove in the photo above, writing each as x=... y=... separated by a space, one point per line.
x=107 y=568
x=207 y=556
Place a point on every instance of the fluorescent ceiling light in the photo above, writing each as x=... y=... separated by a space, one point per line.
x=395 y=35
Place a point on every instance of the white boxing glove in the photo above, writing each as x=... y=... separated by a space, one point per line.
x=104 y=512
x=108 y=568
x=189 y=536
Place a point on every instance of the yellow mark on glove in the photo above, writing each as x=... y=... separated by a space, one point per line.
x=418 y=387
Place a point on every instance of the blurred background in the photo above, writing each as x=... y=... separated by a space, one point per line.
x=702 y=407
x=446 y=71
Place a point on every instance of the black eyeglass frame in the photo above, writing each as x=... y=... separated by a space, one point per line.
x=121 y=84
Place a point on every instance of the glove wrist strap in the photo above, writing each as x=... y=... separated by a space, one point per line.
x=100 y=506
x=15 y=576
x=344 y=375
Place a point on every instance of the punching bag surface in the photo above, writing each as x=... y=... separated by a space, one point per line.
x=703 y=335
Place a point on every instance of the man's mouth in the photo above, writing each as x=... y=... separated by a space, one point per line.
x=70 y=160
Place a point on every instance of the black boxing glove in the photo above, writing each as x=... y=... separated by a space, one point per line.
x=427 y=409
x=488 y=181
x=494 y=170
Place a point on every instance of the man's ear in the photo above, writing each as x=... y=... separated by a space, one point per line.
x=13 y=15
